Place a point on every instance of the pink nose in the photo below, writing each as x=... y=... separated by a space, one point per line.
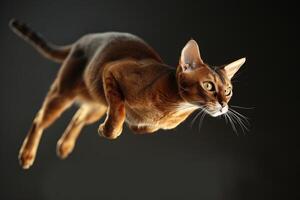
x=223 y=104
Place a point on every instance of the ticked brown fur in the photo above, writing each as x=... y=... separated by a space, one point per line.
x=121 y=75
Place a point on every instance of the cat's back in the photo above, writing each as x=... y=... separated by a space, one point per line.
x=111 y=46
x=101 y=49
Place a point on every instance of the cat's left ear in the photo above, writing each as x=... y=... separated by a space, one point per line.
x=233 y=67
x=190 y=58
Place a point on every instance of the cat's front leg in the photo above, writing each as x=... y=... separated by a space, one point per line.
x=113 y=124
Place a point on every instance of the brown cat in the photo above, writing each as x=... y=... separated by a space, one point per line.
x=121 y=75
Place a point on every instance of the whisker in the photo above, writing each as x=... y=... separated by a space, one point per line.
x=201 y=120
x=240 y=122
x=241 y=107
x=242 y=119
x=226 y=120
x=239 y=114
x=244 y=123
x=194 y=119
x=232 y=123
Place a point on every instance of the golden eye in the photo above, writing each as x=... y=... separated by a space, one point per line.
x=228 y=91
x=208 y=86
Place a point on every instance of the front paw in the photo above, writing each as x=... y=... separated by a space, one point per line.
x=109 y=132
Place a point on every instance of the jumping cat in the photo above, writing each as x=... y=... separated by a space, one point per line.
x=121 y=75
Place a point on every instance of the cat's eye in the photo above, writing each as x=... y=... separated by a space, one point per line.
x=228 y=91
x=209 y=86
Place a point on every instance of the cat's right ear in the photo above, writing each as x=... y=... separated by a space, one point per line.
x=190 y=58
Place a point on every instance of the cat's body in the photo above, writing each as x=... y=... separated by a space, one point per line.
x=118 y=74
x=147 y=83
x=142 y=74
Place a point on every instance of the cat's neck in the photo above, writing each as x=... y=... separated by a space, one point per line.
x=169 y=93
x=166 y=88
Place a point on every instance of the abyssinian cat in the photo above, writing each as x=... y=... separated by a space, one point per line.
x=121 y=75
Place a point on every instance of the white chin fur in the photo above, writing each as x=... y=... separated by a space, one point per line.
x=218 y=113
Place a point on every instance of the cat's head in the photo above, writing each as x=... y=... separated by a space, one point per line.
x=202 y=85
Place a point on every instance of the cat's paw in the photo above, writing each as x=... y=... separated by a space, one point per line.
x=64 y=148
x=109 y=132
x=26 y=158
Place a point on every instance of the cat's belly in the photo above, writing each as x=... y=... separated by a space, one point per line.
x=152 y=120
x=141 y=123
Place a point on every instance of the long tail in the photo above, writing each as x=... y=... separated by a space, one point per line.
x=48 y=50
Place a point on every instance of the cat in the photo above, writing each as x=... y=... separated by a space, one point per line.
x=120 y=75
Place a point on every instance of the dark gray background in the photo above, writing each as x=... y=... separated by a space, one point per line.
x=178 y=164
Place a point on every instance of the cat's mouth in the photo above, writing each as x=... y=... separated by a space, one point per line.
x=217 y=111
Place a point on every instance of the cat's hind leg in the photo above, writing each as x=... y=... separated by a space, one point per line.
x=58 y=99
x=85 y=115
x=113 y=124
x=54 y=104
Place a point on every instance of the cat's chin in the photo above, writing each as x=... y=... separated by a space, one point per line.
x=217 y=113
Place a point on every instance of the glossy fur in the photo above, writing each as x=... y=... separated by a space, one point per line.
x=120 y=75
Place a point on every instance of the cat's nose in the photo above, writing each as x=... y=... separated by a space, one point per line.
x=223 y=104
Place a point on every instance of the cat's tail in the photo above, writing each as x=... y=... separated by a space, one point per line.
x=50 y=51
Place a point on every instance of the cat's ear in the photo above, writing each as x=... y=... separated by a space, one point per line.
x=233 y=67
x=190 y=58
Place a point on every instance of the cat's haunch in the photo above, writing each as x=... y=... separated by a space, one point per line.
x=120 y=75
